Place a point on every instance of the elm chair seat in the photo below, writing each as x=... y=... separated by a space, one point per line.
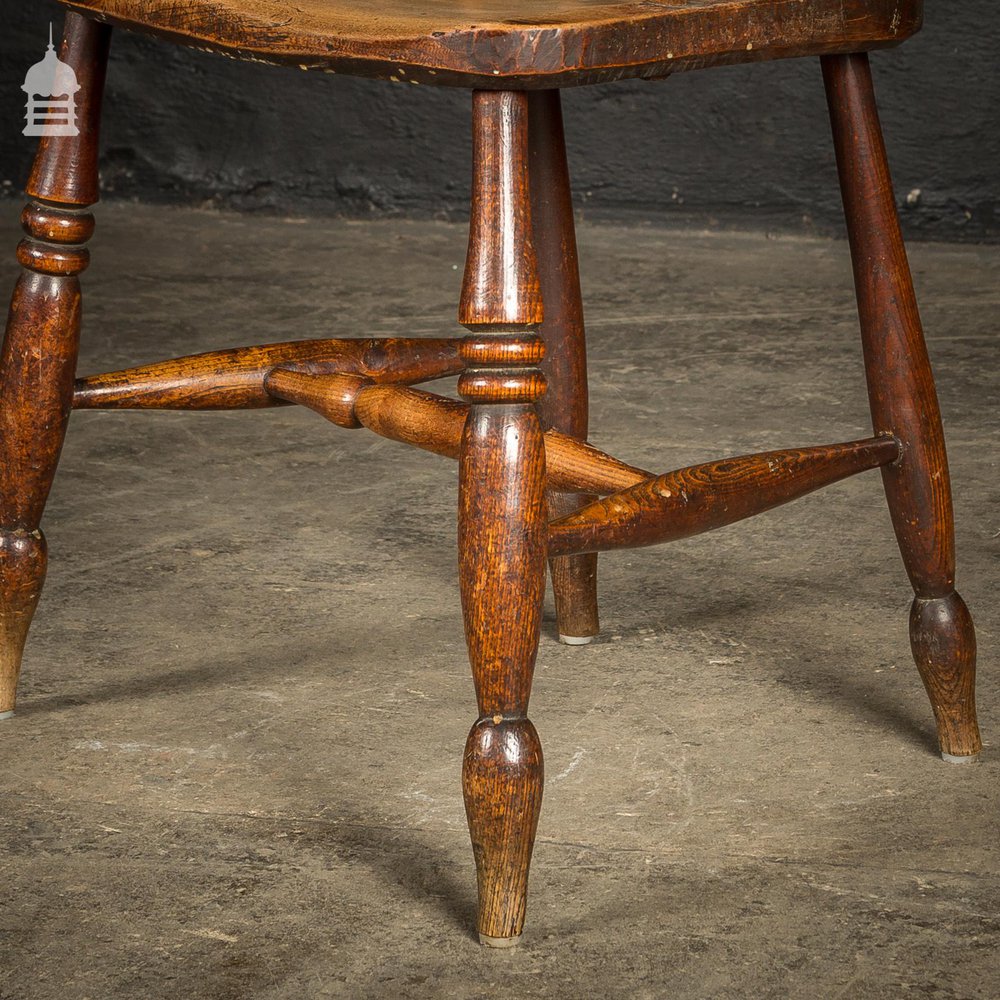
x=533 y=493
x=527 y=43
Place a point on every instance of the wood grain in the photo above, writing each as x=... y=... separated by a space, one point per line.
x=712 y=495
x=23 y=563
x=519 y=450
x=489 y=44
x=501 y=513
x=500 y=288
x=564 y=407
x=65 y=167
x=234 y=378
x=435 y=423
x=903 y=401
x=501 y=531
x=502 y=778
x=943 y=641
x=41 y=339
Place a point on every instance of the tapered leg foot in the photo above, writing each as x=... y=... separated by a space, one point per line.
x=495 y=942
x=574 y=586
x=943 y=640
x=23 y=561
x=502 y=782
x=574 y=583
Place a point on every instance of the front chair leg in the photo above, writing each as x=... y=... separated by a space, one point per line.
x=904 y=404
x=38 y=360
x=564 y=405
x=501 y=520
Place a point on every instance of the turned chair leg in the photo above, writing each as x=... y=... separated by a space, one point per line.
x=904 y=404
x=502 y=516
x=564 y=405
x=38 y=360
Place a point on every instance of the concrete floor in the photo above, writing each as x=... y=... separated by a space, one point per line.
x=234 y=768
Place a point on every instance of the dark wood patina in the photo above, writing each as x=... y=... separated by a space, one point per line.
x=527 y=44
x=531 y=488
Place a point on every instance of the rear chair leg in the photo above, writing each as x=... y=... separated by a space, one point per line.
x=38 y=359
x=904 y=404
x=501 y=520
x=564 y=405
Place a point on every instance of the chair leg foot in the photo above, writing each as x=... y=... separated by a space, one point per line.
x=574 y=586
x=943 y=640
x=576 y=640
x=502 y=781
x=22 y=572
x=495 y=942
x=952 y=759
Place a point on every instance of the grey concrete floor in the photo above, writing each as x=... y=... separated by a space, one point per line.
x=234 y=771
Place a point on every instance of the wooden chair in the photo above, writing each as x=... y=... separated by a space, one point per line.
x=531 y=489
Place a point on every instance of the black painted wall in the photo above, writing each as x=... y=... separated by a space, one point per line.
x=740 y=146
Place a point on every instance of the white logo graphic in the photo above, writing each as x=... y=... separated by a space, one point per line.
x=51 y=86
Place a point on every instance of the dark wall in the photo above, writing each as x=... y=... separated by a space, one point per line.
x=733 y=146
